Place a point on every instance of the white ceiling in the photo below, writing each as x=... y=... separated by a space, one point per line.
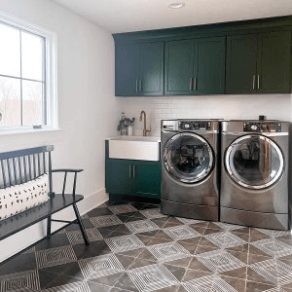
x=133 y=15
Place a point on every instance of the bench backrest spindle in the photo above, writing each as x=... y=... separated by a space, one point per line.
x=21 y=166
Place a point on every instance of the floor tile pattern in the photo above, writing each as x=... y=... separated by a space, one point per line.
x=133 y=247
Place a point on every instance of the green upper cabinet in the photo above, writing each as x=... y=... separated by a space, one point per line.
x=127 y=70
x=274 y=63
x=244 y=57
x=259 y=63
x=151 y=69
x=210 y=66
x=241 y=64
x=139 y=69
x=179 y=67
x=195 y=66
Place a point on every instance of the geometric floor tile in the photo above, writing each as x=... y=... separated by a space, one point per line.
x=224 y=239
x=142 y=226
x=273 y=247
x=60 y=275
x=23 y=281
x=208 y=283
x=188 y=221
x=72 y=287
x=152 y=213
x=124 y=243
x=55 y=256
x=220 y=261
x=181 y=232
x=168 y=251
x=274 y=271
x=274 y=233
x=106 y=220
x=100 y=266
x=227 y=226
x=75 y=237
x=152 y=278
x=135 y=248
x=125 y=208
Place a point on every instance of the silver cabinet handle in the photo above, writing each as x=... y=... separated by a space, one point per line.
x=134 y=171
x=140 y=85
x=253 y=82
x=130 y=171
x=195 y=83
x=258 y=81
x=191 y=84
x=137 y=85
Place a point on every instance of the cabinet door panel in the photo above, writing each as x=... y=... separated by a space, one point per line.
x=210 y=70
x=241 y=64
x=147 y=179
x=179 y=67
x=118 y=177
x=274 y=64
x=151 y=71
x=127 y=69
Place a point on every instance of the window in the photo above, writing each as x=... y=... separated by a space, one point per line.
x=26 y=86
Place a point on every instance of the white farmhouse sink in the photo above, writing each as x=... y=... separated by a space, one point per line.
x=134 y=148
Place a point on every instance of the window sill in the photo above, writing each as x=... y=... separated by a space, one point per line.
x=6 y=132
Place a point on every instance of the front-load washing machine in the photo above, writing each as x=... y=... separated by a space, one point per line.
x=189 y=168
x=254 y=175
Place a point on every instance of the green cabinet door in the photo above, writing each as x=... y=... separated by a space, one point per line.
x=210 y=66
x=151 y=69
x=147 y=179
x=241 y=64
x=179 y=67
x=118 y=177
x=274 y=64
x=127 y=69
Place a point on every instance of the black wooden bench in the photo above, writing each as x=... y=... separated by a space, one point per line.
x=21 y=166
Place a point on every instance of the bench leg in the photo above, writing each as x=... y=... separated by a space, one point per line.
x=79 y=221
x=49 y=223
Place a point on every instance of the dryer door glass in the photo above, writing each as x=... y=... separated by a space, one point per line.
x=188 y=157
x=254 y=161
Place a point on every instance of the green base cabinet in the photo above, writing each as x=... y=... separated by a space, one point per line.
x=133 y=177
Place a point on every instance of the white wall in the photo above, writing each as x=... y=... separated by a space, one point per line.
x=87 y=106
x=212 y=106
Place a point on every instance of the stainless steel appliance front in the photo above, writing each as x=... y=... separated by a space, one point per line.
x=254 y=176
x=189 y=168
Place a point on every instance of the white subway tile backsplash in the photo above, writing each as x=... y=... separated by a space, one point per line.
x=202 y=107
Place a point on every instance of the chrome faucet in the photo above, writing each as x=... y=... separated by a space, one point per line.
x=145 y=131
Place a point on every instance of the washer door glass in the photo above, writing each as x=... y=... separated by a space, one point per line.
x=254 y=161
x=188 y=157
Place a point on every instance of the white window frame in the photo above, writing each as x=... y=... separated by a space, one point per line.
x=50 y=94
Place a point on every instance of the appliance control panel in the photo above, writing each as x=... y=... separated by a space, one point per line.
x=262 y=127
x=194 y=125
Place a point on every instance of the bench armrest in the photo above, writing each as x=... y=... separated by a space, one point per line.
x=67 y=170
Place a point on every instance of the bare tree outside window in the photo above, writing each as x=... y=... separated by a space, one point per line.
x=22 y=78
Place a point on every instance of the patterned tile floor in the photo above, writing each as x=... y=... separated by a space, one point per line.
x=136 y=248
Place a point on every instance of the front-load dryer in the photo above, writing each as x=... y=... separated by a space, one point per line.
x=254 y=176
x=189 y=168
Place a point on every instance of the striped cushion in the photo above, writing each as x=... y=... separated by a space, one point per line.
x=21 y=197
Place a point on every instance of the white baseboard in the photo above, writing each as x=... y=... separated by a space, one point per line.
x=21 y=240
x=92 y=201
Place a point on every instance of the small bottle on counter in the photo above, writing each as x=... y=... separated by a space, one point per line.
x=130 y=130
